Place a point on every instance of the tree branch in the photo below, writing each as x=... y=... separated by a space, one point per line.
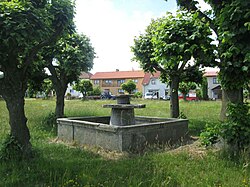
x=190 y=5
x=38 y=47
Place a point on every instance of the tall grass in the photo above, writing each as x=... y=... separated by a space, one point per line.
x=58 y=164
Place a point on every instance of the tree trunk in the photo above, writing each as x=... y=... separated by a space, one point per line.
x=174 y=100
x=184 y=96
x=230 y=96
x=18 y=128
x=60 y=102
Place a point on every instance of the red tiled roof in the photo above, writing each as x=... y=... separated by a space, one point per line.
x=85 y=75
x=148 y=76
x=118 y=75
x=211 y=74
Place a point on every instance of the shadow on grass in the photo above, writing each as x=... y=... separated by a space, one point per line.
x=59 y=165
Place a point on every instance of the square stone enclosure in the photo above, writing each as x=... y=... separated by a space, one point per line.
x=96 y=131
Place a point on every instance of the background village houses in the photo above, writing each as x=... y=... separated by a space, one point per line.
x=111 y=82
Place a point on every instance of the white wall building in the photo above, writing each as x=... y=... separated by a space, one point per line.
x=74 y=93
x=152 y=84
x=213 y=87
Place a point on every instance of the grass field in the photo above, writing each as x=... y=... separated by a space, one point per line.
x=58 y=164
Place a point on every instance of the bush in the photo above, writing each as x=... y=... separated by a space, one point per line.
x=49 y=122
x=138 y=95
x=210 y=135
x=236 y=129
x=11 y=150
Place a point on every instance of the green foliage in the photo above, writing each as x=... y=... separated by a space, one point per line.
x=204 y=89
x=184 y=87
x=138 y=95
x=158 y=49
x=129 y=86
x=233 y=19
x=210 y=135
x=49 y=123
x=11 y=149
x=96 y=91
x=182 y=116
x=47 y=87
x=83 y=86
x=169 y=44
x=58 y=164
x=236 y=129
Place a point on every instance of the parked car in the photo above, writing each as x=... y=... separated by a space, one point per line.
x=150 y=95
x=189 y=97
x=166 y=97
x=107 y=95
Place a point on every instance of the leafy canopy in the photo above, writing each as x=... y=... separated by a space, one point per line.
x=129 y=86
x=170 y=42
x=83 y=86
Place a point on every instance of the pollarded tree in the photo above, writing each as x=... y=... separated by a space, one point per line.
x=129 y=86
x=72 y=55
x=230 y=22
x=83 y=86
x=168 y=46
x=25 y=28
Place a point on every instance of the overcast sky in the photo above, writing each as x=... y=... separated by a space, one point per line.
x=112 y=25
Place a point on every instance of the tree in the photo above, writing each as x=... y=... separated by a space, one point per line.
x=129 y=86
x=25 y=28
x=83 y=86
x=66 y=60
x=204 y=88
x=230 y=22
x=168 y=46
x=184 y=88
x=96 y=91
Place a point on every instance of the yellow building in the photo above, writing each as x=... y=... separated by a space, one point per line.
x=112 y=81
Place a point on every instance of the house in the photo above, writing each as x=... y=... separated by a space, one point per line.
x=152 y=84
x=214 y=87
x=112 y=81
x=73 y=93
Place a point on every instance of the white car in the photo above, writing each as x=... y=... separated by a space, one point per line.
x=150 y=95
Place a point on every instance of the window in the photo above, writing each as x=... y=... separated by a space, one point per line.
x=108 y=81
x=215 y=80
x=120 y=82
x=120 y=91
x=135 y=81
x=96 y=82
x=153 y=82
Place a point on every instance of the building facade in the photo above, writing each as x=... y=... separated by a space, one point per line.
x=152 y=84
x=213 y=85
x=73 y=93
x=111 y=81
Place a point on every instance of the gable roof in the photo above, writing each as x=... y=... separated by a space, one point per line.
x=118 y=75
x=211 y=74
x=85 y=75
x=148 y=76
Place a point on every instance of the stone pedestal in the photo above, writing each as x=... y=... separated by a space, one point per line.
x=122 y=113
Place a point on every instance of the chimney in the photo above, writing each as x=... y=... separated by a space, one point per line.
x=117 y=70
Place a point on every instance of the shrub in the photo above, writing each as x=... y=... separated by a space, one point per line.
x=11 y=150
x=210 y=135
x=138 y=95
x=49 y=122
x=236 y=129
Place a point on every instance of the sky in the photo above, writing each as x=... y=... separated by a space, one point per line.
x=112 y=25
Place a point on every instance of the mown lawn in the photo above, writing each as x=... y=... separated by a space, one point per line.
x=58 y=164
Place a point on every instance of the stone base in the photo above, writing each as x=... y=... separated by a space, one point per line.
x=94 y=131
